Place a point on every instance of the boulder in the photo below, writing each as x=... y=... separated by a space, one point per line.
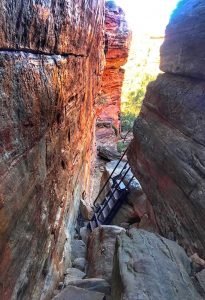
x=74 y=293
x=78 y=249
x=80 y=263
x=73 y=274
x=148 y=266
x=197 y=261
x=101 y=247
x=85 y=210
x=147 y=224
x=92 y=284
x=108 y=153
x=84 y=234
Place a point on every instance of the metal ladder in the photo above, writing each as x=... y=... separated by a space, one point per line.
x=116 y=196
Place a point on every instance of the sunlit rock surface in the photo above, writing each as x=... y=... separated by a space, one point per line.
x=51 y=56
x=117 y=43
x=168 y=151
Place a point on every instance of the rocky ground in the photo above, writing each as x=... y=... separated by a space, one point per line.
x=115 y=263
x=129 y=259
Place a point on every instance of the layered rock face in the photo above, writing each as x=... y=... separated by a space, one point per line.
x=50 y=65
x=117 y=43
x=168 y=151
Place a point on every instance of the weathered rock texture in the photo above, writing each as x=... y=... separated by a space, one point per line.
x=101 y=247
x=50 y=66
x=117 y=42
x=168 y=151
x=76 y=293
x=149 y=267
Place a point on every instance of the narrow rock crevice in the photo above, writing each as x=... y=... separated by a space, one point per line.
x=37 y=52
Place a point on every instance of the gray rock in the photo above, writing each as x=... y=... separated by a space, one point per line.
x=109 y=153
x=147 y=266
x=146 y=224
x=183 y=49
x=60 y=285
x=93 y=284
x=74 y=293
x=101 y=247
x=134 y=184
x=84 y=234
x=201 y=279
x=124 y=225
x=80 y=263
x=197 y=260
x=85 y=210
x=73 y=274
x=78 y=249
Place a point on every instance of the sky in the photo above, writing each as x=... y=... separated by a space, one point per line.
x=148 y=16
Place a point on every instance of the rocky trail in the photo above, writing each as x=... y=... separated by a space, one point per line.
x=129 y=259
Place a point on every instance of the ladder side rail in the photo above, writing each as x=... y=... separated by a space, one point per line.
x=102 y=189
x=113 y=192
x=128 y=185
x=116 y=207
x=117 y=186
x=119 y=175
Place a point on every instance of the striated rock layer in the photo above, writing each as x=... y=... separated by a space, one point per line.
x=168 y=150
x=117 y=43
x=50 y=66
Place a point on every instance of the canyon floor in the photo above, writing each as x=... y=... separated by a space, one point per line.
x=128 y=259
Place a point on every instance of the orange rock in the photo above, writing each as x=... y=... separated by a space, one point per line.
x=51 y=60
x=117 y=43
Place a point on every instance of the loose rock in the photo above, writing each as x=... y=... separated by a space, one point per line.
x=85 y=210
x=74 y=293
x=84 y=234
x=109 y=153
x=93 y=284
x=73 y=274
x=80 y=263
x=78 y=249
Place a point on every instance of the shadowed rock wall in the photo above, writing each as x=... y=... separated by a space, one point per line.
x=51 y=55
x=168 y=151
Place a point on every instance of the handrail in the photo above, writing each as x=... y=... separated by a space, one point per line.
x=110 y=197
x=102 y=189
x=116 y=187
x=124 y=138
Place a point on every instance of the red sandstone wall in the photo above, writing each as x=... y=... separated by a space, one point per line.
x=50 y=67
x=117 y=42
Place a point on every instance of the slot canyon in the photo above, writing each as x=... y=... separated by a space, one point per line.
x=80 y=219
